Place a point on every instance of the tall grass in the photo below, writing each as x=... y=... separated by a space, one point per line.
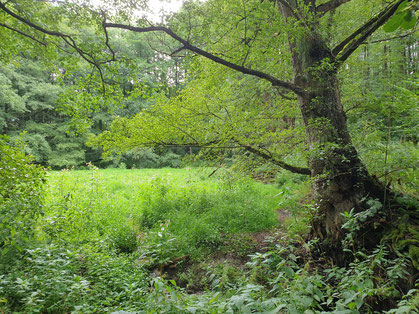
x=104 y=231
x=124 y=206
x=106 y=235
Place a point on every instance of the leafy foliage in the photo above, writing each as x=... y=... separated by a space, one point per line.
x=21 y=195
x=29 y=103
x=111 y=235
x=287 y=286
x=108 y=239
x=45 y=279
x=404 y=17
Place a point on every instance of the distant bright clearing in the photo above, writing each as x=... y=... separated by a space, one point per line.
x=158 y=8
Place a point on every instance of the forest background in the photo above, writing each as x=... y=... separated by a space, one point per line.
x=378 y=91
x=82 y=82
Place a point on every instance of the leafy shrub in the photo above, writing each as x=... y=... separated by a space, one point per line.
x=55 y=279
x=124 y=239
x=157 y=246
x=286 y=177
x=147 y=158
x=117 y=282
x=276 y=282
x=21 y=195
x=45 y=280
x=170 y=160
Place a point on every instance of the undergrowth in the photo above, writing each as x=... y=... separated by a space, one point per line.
x=177 y=241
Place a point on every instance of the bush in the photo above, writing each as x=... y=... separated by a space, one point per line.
x=147 y=158
x=44 y=280
x=21 y=195
x=57 y=279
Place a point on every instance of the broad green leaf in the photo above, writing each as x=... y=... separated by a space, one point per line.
x=409 y=20
x=396 y=20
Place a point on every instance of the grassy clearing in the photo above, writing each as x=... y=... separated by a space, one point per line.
x=178 y=241
x=188 y=210
x=105 y=234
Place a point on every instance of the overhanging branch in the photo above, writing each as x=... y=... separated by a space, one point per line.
x=277 y=162
x=188 y=46
x=390 y=38
x=30 y=24
x=69 y=40
x=23 y=34
x=215 y=144
x=330 y=6
x=343 y=50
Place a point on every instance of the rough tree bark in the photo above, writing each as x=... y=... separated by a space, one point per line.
x=341 y=180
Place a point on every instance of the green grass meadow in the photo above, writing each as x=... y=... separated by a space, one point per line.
x=124 y=206
x=182 y=241
x=105 y=237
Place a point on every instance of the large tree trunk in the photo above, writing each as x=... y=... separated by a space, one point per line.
x=341 y=181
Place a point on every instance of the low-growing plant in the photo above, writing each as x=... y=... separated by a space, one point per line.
x=21 y=196
x=70 y=213
x=279 y=283
x=124 y=239
x=117 y=282
x=134 y=237
x=157 y=246
x=46 y=279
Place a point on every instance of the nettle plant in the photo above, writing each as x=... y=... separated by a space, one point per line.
x=21 y=195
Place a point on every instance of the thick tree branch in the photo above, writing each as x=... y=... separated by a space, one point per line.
x=277 y=162
x=280 y=93
x=264 y=155
x=215 y=145
x=32 y=25
x=67 y=38
x=187 y=45
x=343 y=50
x=330 y=6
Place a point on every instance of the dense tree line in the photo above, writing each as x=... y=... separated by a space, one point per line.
x=32 y=107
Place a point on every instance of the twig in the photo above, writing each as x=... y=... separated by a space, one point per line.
x=391 y=38
x=216 y=169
